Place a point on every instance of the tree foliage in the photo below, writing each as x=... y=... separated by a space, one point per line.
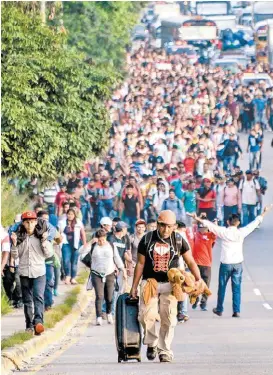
x=53 y=102
x=101 y=29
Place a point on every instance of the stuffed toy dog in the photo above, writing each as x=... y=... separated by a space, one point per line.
x=176 y=278
x=183 y=283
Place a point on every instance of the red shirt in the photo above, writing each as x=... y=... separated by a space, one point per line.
x=172 y=178
x=210 y=195
x=189 y=164
x=61 y=197
x=98 y=184
x=202 y=249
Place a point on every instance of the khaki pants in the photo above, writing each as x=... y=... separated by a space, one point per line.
x=148 y=314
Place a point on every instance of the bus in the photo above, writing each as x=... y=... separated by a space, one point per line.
x=262 y=11
x=218 y=11
x=199 y=32
x=261 y=40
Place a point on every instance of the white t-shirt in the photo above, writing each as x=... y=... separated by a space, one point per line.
x=249 y=194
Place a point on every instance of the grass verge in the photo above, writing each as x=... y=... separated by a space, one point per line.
x=52 y=317
x=83 y=276
x=5 y=305
x=16 y=339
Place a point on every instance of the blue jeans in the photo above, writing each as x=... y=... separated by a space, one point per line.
x=57 y=276
x=255 y=159
x=182 y=307
x=227 y=271
x=48 y=297
x=105 y=207
x=249 y=213
x=229 y=210
x=70 y=260
x=33 y=294
x=84 y=211
x=228 y=162
x=131 y=221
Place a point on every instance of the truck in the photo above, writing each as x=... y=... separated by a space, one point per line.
x=166 y=9
x=199 y=32
x=218 y=11
x=261 y=40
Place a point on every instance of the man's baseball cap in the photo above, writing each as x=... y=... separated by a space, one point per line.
x=249 y=171
x=140 y=221
x=167 y=217
x=106 y=221
x=29 y=215
x=206 y=180
x=121 y=225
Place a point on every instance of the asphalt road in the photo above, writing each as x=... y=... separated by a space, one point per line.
x=206 y=344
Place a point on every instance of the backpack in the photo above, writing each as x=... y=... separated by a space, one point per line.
x=165 y=204
x=263 y=184
x=220 y=150
x=176 y=240
x=254 y=181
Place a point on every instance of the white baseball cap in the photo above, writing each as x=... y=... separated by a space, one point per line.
x=106 y=221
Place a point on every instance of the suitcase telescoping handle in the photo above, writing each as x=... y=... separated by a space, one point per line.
x=132 y=301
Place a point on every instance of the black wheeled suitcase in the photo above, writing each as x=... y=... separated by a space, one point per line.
x=128 y=331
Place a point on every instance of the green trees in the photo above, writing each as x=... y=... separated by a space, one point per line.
x=53 y=101
x=101 y=30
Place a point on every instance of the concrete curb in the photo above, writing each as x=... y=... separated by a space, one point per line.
x=12 y=358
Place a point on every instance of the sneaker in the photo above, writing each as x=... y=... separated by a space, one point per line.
x=236 y=315
x=56 y=293
x=151 y=352
x=203 y=307
x=164 y=358
x=99 y=321
x=39 y=328
x=194 y=306
x=104 y=316
x=110 y=319
x=182 y=318
x=216 y=312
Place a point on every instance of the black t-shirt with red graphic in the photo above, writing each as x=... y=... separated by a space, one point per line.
x=161 y=255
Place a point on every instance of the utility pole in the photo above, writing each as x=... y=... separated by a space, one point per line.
x=43 y=12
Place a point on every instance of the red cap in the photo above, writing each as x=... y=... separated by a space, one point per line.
x=29 y=215
x=141 y=221
x=206 y=180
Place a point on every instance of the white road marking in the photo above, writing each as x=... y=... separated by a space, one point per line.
x=257 y=292
x=267 y=306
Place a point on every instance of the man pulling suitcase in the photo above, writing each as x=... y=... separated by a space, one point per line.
x=158 y=251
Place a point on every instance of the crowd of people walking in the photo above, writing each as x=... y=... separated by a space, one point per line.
x=174 y=147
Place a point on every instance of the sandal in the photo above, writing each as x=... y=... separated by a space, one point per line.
x=67 y=280
x=73 y=282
